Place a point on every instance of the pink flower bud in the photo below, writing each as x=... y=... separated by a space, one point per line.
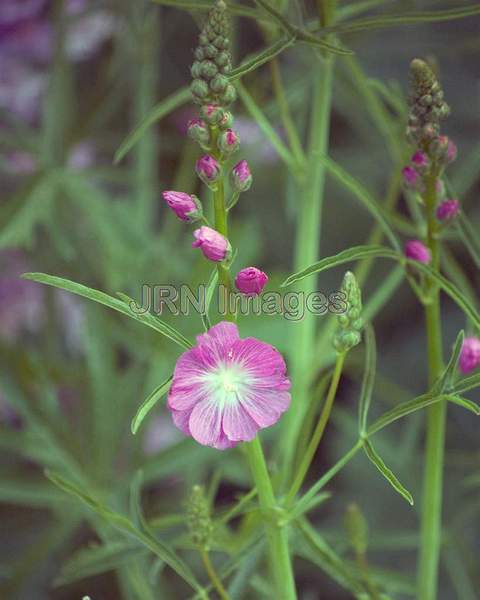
x=208 y=169
x=198 y=131
x=415 y=250
x=213 y=244
x=411 y=178
x=187 y=207
x=228 y=141
x=240 y=177
x=469 y=355
x=448 y=210
x=212 y=113
x=251 y=281
x=420 y=160
x=226 y=121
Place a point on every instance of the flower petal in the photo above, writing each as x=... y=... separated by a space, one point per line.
x=265 y=406
x=237 y=424
x=263 y=362
x=205 y=423
x=180 y=418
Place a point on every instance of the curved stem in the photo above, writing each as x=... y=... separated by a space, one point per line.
x=277 y=533
x=214 y=578
x=319 y=430
x=436 y=417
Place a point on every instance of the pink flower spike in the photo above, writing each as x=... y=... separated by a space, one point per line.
x=411 y=177
x=470 y=355
x=448 y=210
x=415 y=250
x=187 y=207
x=208 y=169
x=251 y=281
x=420 y=159
x=213 y=245
x=225 y=388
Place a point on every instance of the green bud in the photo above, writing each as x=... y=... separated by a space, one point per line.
x=357 y=528
x=349 y=323
x=198 y=518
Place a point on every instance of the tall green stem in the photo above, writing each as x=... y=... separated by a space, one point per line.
x=436 y=418
x=306 y=252
x=277 y=533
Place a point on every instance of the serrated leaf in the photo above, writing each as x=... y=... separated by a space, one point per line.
x=368 y=380
x=114 y=303
x=355 y=253
x=124 y=524
x=159 y=111
x=386 y=472
x=149 y=403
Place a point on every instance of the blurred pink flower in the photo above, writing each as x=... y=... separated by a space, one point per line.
x=416 y=250
x=470 y=354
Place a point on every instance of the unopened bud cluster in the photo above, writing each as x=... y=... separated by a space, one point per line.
x=433 y=152
x=350 y=322
x=198 y=518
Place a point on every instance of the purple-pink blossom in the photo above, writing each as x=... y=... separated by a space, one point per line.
x=251 y=281
x=411 y=177
x=420 y=159
x=448 y=209
x=214 y=245
x=241 y=177
x=470 y=354
x=416 y=250
x=228 y=141
x=208 y=169
x=187 y=207
x=226 y=388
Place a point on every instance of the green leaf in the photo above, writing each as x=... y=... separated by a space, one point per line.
x=259 y=59
x=468 y=404
x=149 y=403
x=114 y=303
x=159 y=111
x=469 y=236
x=409 y=18
x=386 y=472
x=355 y=253
x=363 y=195
x=210 y=290
x=466 y=384
x=448 y=287
x=124 y=524
x=368 y=378
x=97 y=559
x=448 y=374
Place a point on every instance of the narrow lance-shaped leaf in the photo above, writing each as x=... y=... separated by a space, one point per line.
x=118 y=305
x=466 y=384
x=259 y=59
x=386 y=472
x=469 y=236
x=368 y=377
x=448 y=374
x=355 y=253
x=210 y=290
x=149 y=403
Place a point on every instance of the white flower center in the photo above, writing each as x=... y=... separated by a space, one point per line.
x=226 y=383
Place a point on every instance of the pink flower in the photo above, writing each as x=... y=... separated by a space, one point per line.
x=187 y=207
x=240 y=177
x=208 y=169
x=447 y=210
x=420 y=159
x=470 y=355
x=251 y=281
x=228 y=141
x=415 y=250
x=225 y=389
x=411 y=177
x=213 y=244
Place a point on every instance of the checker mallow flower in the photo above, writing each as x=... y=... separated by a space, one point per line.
x=226 y=388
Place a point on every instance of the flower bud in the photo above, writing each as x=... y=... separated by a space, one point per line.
x=357 y=528
x=214 y=245
x=208 y=169
x=187 y=207
x=199 y=132
x=448 y=210
x=349 y=323
x=412 y=178
x=240 y=177
x=420 y=161
x=415 y=250
x=198 y=518
x=251 y=281
x=226 y=121
x=228 y=141
x=212 y=113
x=451 y=151
x=469 y=355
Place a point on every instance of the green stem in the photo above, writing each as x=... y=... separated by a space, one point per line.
x=306 y=252
x=214 y=578
x=319 y=430
x=277 y=533
x=436 y=417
